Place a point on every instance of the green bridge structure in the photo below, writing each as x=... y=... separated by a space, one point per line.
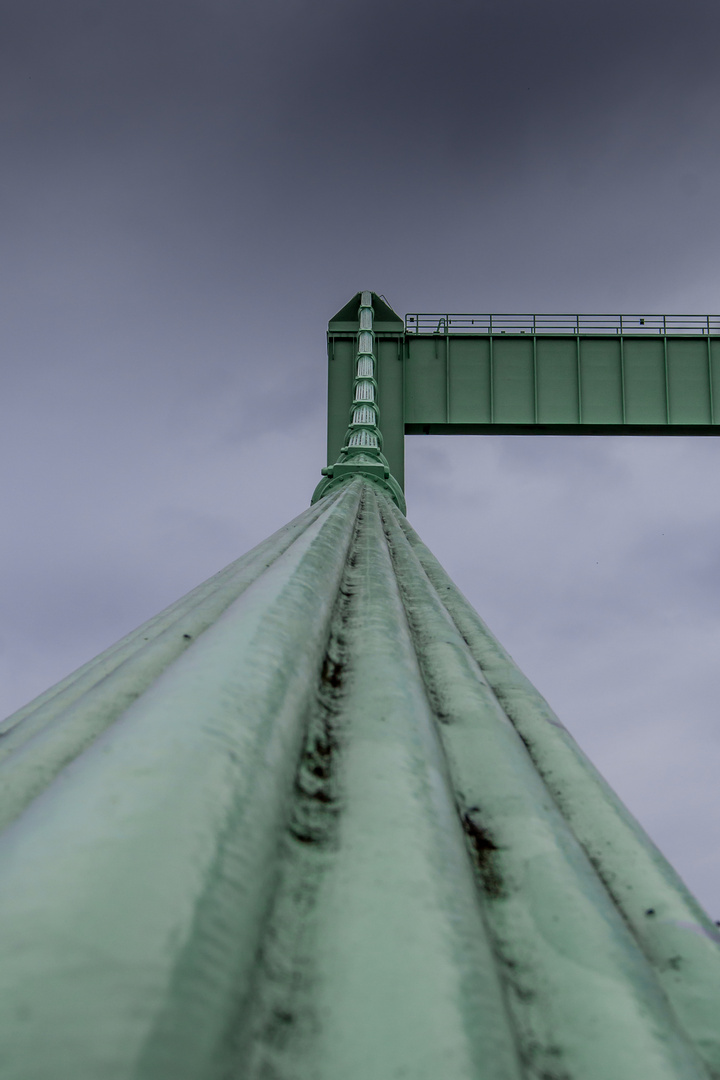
x=311 y=822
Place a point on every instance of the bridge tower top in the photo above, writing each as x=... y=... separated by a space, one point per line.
x=525 y=374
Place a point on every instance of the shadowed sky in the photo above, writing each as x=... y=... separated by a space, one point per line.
x=190 y=191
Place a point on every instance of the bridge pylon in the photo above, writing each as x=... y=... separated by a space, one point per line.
x=312 y=822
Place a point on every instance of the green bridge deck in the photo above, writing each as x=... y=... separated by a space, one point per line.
x=529 y=374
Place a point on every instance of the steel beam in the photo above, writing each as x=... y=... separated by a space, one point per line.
x=545 y=384
x=528 y=375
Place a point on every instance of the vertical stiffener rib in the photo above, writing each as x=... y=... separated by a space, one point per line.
x=334 y=833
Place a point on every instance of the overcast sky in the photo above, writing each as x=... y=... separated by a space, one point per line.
x=189 y=190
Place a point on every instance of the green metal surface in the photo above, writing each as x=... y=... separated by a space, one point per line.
x=530 y=374
x=360 y=378
x=336 y=834
x=561 y=384
x=133 y=890
x=388 y=330
x=38 y=740
x=671 y=927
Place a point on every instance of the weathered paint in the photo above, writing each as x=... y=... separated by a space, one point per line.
x=133 y=890
x=573 y=968
x=78 y=682
x=388 y=970
x=37 y=741
x=337 y=834
x=677 y=936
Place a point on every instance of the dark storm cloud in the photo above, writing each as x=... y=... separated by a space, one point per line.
x=354 y=91
x=370 y=68
x=475 y=79
x=215 y=135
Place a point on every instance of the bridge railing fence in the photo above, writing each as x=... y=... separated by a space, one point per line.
x=461 y=323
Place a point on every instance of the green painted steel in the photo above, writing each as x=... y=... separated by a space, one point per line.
x=40 y=739
x=528 y=374
x=134 y=889
x=561 y=384
x=677 y=936
x=335 y=834
x=388 y=333
x=361 y=450
x=378 y=933
x=562 y=938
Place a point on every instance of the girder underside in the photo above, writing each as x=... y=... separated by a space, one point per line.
x=611 y=381
x=313 y=822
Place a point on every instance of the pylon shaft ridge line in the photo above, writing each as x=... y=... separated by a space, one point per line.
x=152 y=870
x=338 y=836
x=676 y=935
x=78 y=682
x=388 y=967
x=544 y=900
x=34 y=752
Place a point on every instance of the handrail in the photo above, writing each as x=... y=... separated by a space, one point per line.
x=438 y=323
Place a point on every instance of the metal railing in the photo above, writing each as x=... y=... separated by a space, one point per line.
x=437 y=323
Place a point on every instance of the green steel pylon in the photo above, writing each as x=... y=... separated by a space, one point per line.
x=362 y=454
x=312 y=822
